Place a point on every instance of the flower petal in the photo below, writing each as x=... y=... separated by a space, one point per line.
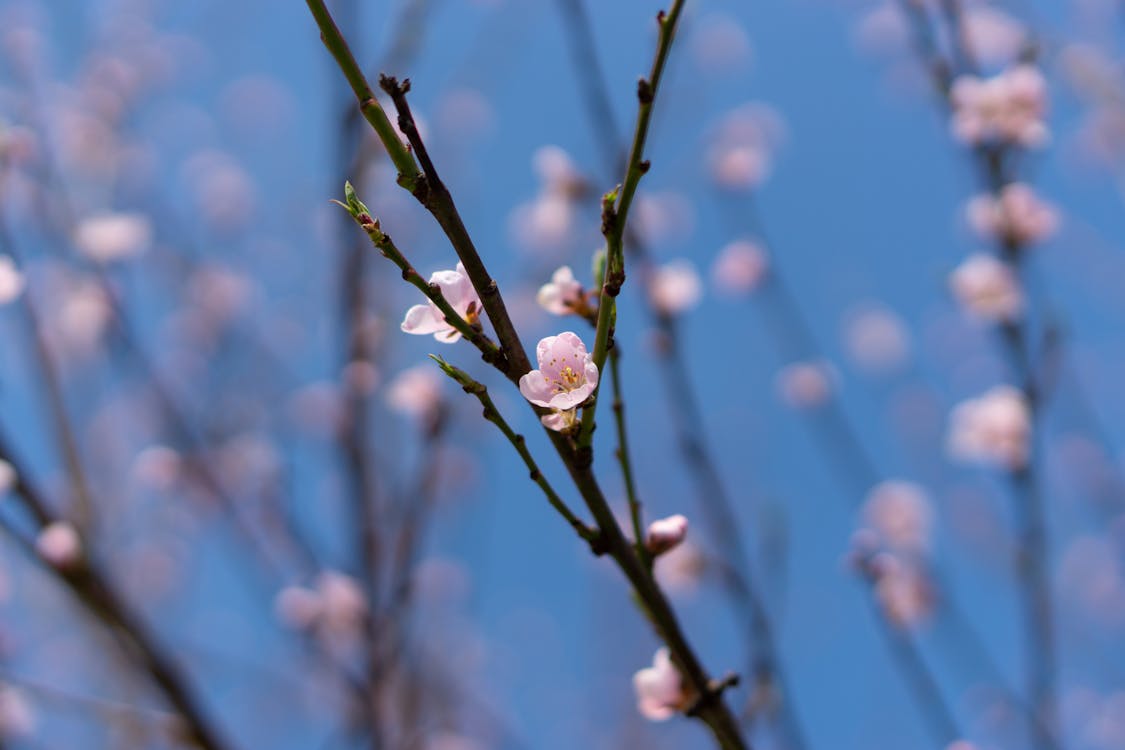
x=423 y=319
x=536 y=389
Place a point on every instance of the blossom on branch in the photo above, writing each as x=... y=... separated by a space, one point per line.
x=666 y=533
x=459 y=293
x=994 y=428
x=1017 y=216
x=563 y=295
x=1007 y=108
x=660 y=688
x=566 y=377
x=987 y=288
x=675 y=287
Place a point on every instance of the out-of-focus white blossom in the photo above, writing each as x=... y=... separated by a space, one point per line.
x=415 y=392
x=59 y=545
x=7 y=477
x=563 y=295
x=105 y=238
x=805 y=385
x=987 y=288
x=1017 y=216
x=902 y=589
x=877 y=339
x=994 y=36
x=901 y=514
x=719 y=44
x=17 y=716
x=12 y=281
x=335 y=607
x=994 y=428
x=741 y=148
x=1009 y=107
x=675 y=287
x=739 y=267
x=547 y=221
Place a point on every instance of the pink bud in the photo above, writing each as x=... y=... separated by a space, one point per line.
x=58 y=544
x=665 y=534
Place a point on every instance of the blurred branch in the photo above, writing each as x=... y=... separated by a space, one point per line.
x=91 y=587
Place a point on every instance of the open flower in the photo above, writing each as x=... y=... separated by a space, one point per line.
x=566 y=376
x=665 y=534
x=660 y=688
x=563 y=295
x=459 y=292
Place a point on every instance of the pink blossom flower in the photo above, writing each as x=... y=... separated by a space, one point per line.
x=994 y=428
x=740 y=267
x=666 y=533
x=415 y=392
x=557 y=171
x=681 y=569
x=109 y=237
x=987 y=288
x=1009 y=107
x=563 y=295
x=1017 y=215
x=297 y=607
x=675 y=287
x=566 y=377
x=11 y=280
x=659 y=688
x=462 y=297
x=58 y=544
x=7 y=477
x=901 y=515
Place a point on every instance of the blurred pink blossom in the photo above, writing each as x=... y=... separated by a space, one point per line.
x=7 y=477
x=109 y=237
x=719 y=44
x=876 y=338
x=900 y=513
x=902 y=589
x=666 y=533
x=12 y=281
x=1008 y=107
x=1018 y=216
x=987 y=288
x=59 y=545
x=675 y=287
x=659 y=688
x=994 y=428
x=563 y=295
x=415 y=392
x=994 y=36
x=740 y=267
x=805 y=385
x=741 y=148
x=429 y=319
x=17 y=716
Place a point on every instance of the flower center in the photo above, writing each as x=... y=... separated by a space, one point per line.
x=568 y=379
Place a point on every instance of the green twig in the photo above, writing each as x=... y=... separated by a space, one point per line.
x=616 y=204
x=492 y=414
x=624 y=459
x=489 y=351
x=408 y=173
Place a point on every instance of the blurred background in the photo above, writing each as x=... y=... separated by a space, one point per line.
x=203 y=381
